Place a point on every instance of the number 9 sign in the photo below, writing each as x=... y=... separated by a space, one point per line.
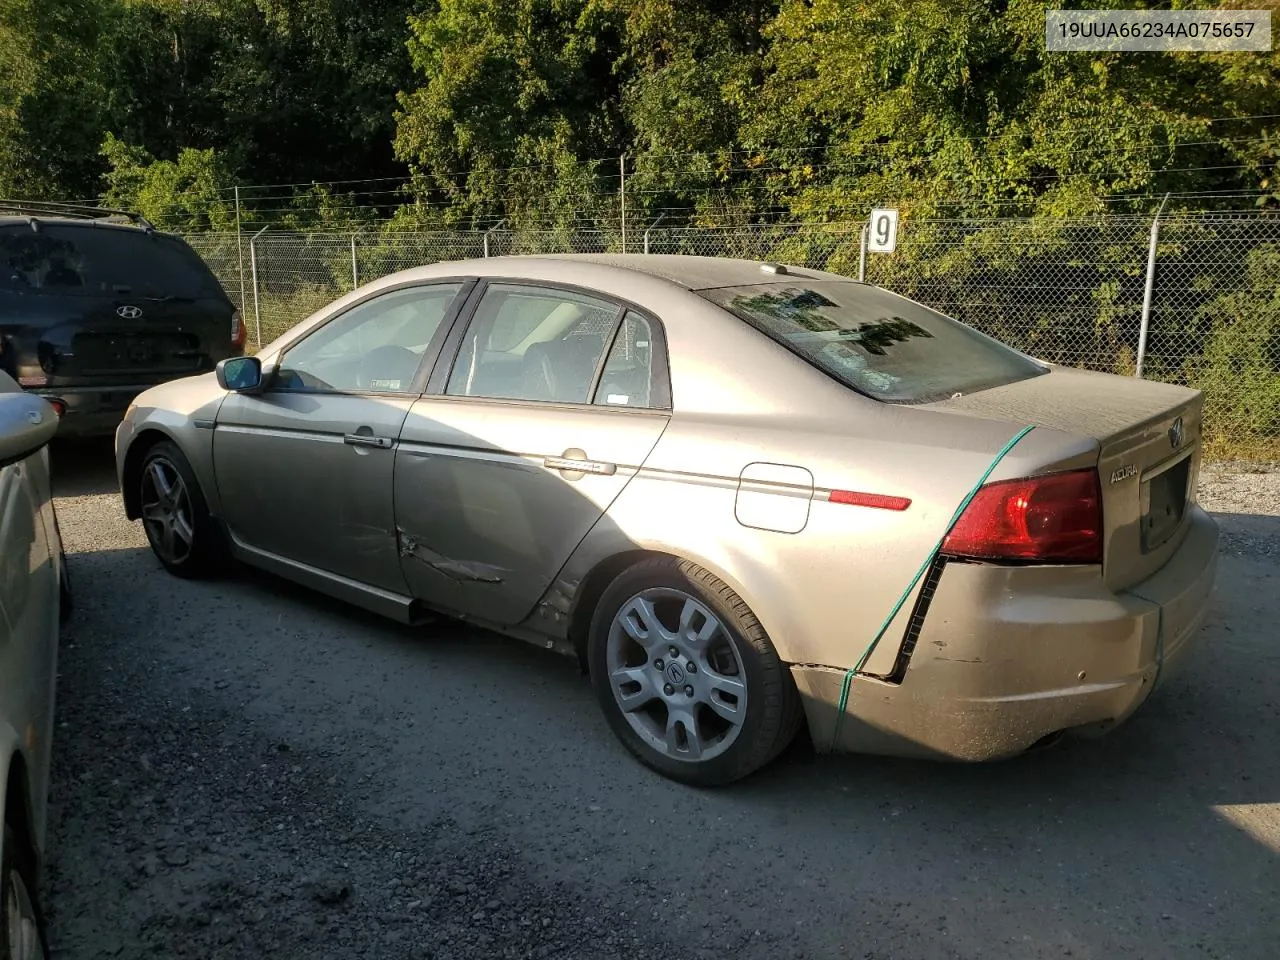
x=883 y=235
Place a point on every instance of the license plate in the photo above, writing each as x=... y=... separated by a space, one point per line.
x=1164 y=502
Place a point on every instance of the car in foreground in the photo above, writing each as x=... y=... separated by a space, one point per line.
x=745 y=495
x=97 y=305
x=34 y=595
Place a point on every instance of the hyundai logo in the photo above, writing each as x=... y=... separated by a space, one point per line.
x=1175 y=434
x=129 y=312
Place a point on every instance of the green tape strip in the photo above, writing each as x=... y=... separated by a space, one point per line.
x=933 y=554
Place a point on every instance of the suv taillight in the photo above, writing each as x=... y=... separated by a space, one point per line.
x=1056 y=518
x=238 y=332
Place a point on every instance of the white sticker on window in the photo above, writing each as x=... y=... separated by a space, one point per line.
x=618 y=398
x=384 y=385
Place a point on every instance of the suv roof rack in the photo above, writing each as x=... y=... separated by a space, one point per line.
x=54 y=208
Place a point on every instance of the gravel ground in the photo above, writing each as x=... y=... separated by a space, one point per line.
x=246 y=769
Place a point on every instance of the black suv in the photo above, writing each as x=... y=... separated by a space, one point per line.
x=97 y=305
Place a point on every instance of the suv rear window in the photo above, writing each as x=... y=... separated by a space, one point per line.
x=874 y=341
x=64 y=260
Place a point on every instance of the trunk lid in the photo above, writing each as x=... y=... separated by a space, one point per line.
x=78 y=340
x=88 y=303
x=1149 y=439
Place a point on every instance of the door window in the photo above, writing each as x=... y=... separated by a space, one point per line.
x=634 y=372
x=375 y=347
x=533 y=343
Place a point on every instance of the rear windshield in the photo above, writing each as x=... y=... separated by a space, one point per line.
x=62 y=260
x=874 y=341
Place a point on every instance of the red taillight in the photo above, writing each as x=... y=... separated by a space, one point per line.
x=238 y=332
x=58 y=407
x=1056 y=518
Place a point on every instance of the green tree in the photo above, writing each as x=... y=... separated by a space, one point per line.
x=52 y=95
x=959 y=107
x=183 y=194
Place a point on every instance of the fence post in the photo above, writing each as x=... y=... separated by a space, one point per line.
x=355 y=270
x=1148 y=289
x=489 y=231
x=253 y=265
x=240 y=250
x=622 y=197
x=651 y=226
x=862 y=252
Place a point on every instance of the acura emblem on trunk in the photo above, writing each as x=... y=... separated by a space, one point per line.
x=129 y=312
x=1175 y=433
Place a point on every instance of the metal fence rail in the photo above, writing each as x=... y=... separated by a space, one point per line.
x=1074 y=292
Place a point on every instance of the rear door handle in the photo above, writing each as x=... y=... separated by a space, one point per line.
x=368 y=440
x=580 y=466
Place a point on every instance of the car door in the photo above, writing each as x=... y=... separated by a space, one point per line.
x=28 y=613
x=304 y=468
x=552 y=401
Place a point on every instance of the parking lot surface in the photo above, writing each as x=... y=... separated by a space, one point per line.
x=247 y=769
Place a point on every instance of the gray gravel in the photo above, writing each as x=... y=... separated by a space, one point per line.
x=246 y=769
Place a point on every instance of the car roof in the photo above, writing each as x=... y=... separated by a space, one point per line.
x=22 y=220
x=689 y=272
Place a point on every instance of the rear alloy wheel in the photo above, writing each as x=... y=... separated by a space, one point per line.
x=174 y=514
x=686 y=675
x=22 y=932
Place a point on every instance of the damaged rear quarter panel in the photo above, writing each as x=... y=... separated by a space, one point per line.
x=821 y=593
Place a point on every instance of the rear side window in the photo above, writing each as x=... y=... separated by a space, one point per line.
x=60 y=260
x=876 y=342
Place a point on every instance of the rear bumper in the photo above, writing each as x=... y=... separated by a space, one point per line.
x=91 y=411
x=1011 y=656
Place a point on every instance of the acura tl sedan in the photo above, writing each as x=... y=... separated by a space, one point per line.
x=747 y=496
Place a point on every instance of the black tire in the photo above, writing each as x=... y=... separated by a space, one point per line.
x=66 y=600
x=773 y=713
x=18 y=881
x=206 y=549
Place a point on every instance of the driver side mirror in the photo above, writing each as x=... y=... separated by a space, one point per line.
x=27 y=423
x=239 y=374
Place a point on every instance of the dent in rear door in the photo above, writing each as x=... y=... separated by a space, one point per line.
x=488 y=503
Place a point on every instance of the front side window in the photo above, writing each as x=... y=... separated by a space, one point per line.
x=375 y=347
x=533 y=343
x=876 y=342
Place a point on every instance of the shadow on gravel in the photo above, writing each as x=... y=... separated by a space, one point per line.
x=83 y=467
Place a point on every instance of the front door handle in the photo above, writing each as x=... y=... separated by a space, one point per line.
x=368 y=440
x=580 y=465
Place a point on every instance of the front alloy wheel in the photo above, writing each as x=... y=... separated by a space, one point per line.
x=174 y=514
x=22 y=928
x=166 y=512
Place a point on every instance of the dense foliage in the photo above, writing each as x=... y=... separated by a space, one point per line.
x=524 y=108
x=463 y=114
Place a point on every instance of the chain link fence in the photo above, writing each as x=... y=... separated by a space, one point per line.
x=1072 y=292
